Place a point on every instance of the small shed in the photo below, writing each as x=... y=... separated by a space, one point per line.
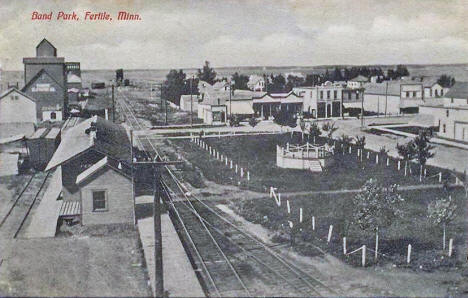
x=42 y=145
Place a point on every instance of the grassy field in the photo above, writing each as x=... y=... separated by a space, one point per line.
x=257 y=154
x=413 y=227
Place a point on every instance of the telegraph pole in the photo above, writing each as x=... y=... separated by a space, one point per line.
x=191 y=102
x=156 y=166
x=165 y=107
x=113 y=104
x=362 y=110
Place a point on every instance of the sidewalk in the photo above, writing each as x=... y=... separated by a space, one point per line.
x=179 y=277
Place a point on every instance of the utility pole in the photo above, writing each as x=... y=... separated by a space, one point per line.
x=362 y=110
x=158 y=259
x=156 y=167
x=386 y=93
x=113 y=104
x=230 y=100
x=191 y=101
x=165 y=107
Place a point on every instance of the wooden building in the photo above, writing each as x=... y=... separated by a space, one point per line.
x=95 y=158
x=42 y=145
x=17 y=113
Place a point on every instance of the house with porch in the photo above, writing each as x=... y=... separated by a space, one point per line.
x=267 y=105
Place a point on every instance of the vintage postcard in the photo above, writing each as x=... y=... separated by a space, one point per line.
x=223 y=148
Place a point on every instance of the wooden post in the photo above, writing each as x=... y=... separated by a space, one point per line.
x=158 y=259
x=376 y=244
x=300 y=214
x=425 y=172
x=363 y=257
x=377 y=158
x=408 y=256
x=388 y=161
x=231 y=163
x=399 y=165
x=288 y=206
x=226 y=160
x=440 y=177
x=279 y=200
x=330 y=230
x=344 y=245
x=313 y=223
x=349 y=149
x=236 y=168
x=248 y=176
x=242 y=172
x=450 y=247
x=368 y=154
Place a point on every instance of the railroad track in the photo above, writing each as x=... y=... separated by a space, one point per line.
x=224 y=254
x=13 y=221
x=239 y=244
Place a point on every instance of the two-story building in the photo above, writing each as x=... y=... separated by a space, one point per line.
x=324 y=101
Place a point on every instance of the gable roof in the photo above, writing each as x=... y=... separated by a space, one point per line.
x=36 y=76
x=458 y=90
x=44 y=40
x=73 y=78
x=8 y=91
x=108 y=138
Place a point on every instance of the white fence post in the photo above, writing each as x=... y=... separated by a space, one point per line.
x=300 y=214
x=440 y=177
x=271 y=191
x=388 y=161
x=313 y=223
x=226 y=160
x=399 y=165
x=344 y=245
x=377 y=159
x=236 y=168
x=330 y=230
x=408 y=256
x=231 y=164
x=450 y=247
x=349 y=149
x=242 y=172
x=363 y=256
x=368 y=154
x=248 y=176
x=279 y=200
x=288 y=206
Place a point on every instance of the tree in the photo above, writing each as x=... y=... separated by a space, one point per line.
x=442 y=212
x=240 y=81
x=234 y=121
x=329 y=128
x=278 y=83
x=302 y=125
x=293 y=81
x=423 y=150
x=446 y=81
x=376 y=207
x=173 y=86
x=407 y=152
x=314 y=130
x=253 y=122
x=360 y=144
x=207 y=74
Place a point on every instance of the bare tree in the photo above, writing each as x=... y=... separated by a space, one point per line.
x=442 y=212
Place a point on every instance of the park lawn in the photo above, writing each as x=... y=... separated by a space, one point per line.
x=257 y=154
x=412 y=228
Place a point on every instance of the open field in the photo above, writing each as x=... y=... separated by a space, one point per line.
x=257 y=154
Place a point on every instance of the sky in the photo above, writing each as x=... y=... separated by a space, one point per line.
x=183 y=34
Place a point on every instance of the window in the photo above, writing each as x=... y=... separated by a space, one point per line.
x=407 y=93
x=436 y=92
x=447 y=113
x=53 y=115
x=441 y=92
x=414 y=93
x=328 y=94
x=335 y=94
x=99 y=200
x=321 y=94
x=451 y=100
x=443 y=128
x=357 y=95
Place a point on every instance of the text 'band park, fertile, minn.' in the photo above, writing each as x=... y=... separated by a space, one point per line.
x=86 y=16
